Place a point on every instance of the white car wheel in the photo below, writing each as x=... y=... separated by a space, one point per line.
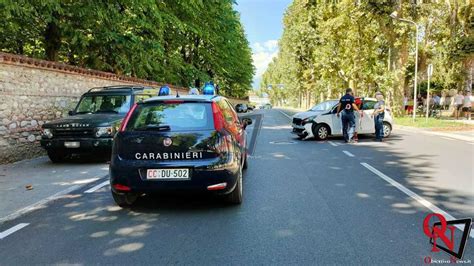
x=387 y=130
x=320 y=132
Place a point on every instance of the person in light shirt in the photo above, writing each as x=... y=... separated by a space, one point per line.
x=467 y=105
x=458 y=103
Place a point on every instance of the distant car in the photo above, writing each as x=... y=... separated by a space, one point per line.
x=251 y=107
x=266 y=106
x=241 y=108
x=321 y=121
x=194 y=143
x=90 y=127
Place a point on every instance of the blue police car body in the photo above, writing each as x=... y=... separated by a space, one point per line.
x=192 y=143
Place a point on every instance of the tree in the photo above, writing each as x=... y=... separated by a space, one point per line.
x=327 y=46
x=180 y=42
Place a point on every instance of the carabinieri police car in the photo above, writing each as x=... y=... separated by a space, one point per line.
x=192 y=143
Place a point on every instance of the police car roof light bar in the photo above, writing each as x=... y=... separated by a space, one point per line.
x=208 y=89
x=164 y=91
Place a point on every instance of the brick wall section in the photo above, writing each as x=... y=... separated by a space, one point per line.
x=33 y=92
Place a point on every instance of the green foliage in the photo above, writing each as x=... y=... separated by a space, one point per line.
x=173 y=41
x=330 y=45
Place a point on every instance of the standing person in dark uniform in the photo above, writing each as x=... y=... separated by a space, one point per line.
x=378 y=116
x=347 y=104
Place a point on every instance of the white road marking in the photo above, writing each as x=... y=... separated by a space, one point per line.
x=38 y=204
x=348 y=153
x=12 y=230
x=97 y=187
x=439 y=134
x=448 y=138
x=42 y=202
x=414 y=196
x=333 y=143
x=289 y=117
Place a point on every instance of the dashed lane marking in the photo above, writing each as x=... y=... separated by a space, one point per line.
x=414 y=196
x=97 y=187
x=12 y=230
x=348 y=153
x=333 y=143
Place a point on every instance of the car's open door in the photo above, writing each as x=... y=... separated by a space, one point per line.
x=367 y=125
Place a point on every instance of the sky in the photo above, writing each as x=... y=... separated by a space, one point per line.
x=263 y=24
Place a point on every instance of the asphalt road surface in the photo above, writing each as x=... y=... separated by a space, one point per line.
x=305 y=202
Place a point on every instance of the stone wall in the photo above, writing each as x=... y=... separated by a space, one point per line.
x=33 y=92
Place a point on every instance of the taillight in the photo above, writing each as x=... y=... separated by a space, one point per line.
x=121 y=187
x=218 y=117
x=127 y=117
x=222 y=144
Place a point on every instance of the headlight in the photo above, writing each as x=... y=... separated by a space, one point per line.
x=308 y=119
x=104 y=132
x=46 y=132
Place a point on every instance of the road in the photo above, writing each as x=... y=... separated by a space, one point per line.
x=305 y=202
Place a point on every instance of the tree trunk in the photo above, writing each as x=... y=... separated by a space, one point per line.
x=52 y=38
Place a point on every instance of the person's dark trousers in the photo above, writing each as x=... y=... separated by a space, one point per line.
x=378 y=121
x=348 y=125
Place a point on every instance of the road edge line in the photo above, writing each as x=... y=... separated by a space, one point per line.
x=413 y=195
x=97 y=187
x=433 y=133
x=289 y=117
x=12 y=230
x=37 y=205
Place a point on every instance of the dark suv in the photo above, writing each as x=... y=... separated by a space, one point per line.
x=193 y=143
x=90 y=127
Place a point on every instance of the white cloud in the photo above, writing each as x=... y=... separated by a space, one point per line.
x=263 y=54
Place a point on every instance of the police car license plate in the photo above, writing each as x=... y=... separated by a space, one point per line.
x=167 y=173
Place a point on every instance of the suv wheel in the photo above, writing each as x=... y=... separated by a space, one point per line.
x=320 y=132
x=56 y=156
x=387 y=129
x=235 y=197
x=124 y=200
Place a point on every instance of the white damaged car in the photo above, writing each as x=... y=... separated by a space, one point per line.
x=321 y=121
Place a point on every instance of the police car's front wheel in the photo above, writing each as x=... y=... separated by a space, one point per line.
x=320 y=132
x=124 y=200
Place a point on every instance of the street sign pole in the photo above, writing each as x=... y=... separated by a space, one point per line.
x=430 y=72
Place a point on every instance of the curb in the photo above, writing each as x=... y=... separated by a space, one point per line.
x=434 y=133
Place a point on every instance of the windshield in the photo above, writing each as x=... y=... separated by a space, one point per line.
x=171 y=116
x=324 y=106
x=119 y=104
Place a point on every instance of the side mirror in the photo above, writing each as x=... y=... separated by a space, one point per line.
x=246 y=122
x=71 y=112
x=240 y=108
